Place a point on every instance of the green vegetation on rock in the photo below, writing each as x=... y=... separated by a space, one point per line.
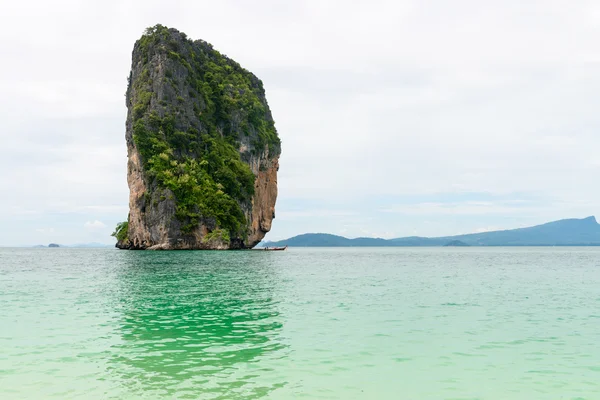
x=121 y=231
x=191 y=110
x=216 y=235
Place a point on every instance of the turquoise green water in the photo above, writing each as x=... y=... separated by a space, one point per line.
x=444 y=323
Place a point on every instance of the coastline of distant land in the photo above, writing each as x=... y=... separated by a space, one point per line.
x=565 y=232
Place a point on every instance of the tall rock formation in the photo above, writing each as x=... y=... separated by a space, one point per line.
x=202 y=148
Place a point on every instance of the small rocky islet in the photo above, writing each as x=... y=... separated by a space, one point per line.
x=203 y=151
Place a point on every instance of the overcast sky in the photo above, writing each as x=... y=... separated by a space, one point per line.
x=396 y=117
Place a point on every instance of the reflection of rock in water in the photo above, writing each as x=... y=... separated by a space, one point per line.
x=193 y=322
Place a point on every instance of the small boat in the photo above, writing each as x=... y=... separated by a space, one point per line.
x=275 y=248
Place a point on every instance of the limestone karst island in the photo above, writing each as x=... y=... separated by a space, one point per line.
x=202 y=148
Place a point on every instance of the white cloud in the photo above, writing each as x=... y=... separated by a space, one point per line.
x=463 y=208
x=291 y=215
x=94 y=225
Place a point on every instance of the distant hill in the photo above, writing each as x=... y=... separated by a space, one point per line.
x=566 y=232
x=327 y=240
x=456 y=243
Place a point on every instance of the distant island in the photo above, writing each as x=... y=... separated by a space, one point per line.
x=53 y=245
x=565 y=232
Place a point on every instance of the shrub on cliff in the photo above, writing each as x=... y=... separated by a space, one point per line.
x=121 y=231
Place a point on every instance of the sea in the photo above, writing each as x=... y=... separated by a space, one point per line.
x=313 y=323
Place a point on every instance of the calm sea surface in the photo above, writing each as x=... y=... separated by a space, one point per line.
x=375 y=323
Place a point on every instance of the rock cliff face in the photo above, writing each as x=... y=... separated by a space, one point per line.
x=202 y=148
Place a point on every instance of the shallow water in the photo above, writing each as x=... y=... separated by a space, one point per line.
x=370 y=323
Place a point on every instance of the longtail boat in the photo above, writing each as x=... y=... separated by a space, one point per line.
x=275 y=248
